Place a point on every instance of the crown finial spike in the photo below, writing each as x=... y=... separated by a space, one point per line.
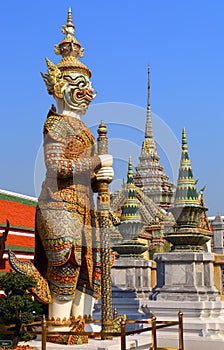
x=70 y=49
x=69 y=20
x=70 y=26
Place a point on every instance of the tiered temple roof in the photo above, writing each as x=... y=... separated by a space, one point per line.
x=130 y=203
x=149 y=211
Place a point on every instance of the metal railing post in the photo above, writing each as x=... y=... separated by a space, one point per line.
x=181 y=338
x=154 y=342
x=44 y=333
x=123 y=335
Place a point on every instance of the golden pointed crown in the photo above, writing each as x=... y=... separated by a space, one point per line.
x=70 y=50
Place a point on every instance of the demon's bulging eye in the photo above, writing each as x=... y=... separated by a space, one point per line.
x=82 y=84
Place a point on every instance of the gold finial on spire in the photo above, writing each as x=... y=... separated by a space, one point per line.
x=130 y=179
x=148 y=127
x=148 y=85
x=130 y=166
x=185 y=157
x=149 y=145
x=184 y=136
x=184 y=139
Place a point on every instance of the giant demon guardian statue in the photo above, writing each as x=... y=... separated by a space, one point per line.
x=67 y=245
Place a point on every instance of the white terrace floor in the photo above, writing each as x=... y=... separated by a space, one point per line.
x=140 y=342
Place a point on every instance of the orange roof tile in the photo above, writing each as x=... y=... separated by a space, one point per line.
x=19 y=214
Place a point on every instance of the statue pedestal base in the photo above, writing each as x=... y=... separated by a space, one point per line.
x=185 y=276
x=186 y=281
x=77 y=325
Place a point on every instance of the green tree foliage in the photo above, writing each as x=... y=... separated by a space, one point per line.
x=18 y=306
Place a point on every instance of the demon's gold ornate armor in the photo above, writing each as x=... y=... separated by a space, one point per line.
x=66 y=222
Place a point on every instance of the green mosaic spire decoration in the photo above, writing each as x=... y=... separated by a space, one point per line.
x=130 y=221
x=190 y=231
x=130 y=208
x=186 y=193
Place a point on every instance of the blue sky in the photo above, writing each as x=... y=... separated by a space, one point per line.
x=181 y=40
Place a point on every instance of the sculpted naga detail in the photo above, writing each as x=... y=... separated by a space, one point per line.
x=67 y=240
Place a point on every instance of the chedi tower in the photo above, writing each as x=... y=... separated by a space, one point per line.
x=191 y=230
x=149 y=175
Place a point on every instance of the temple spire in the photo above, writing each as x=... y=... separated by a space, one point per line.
x=131 y=222
x=148 y=126
x=149 y=175
x=130 y=172
x=149 y=145
x=186 y=193
x=191 y=230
